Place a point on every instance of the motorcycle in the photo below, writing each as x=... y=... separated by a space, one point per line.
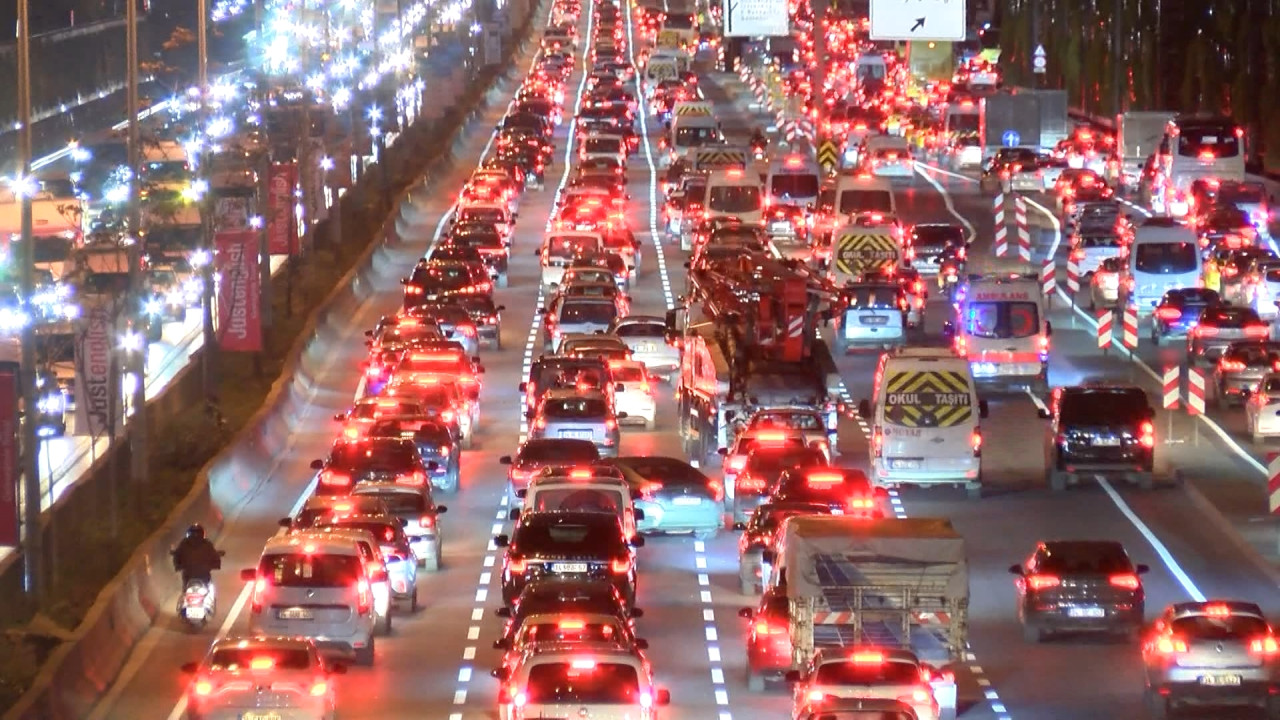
x=758 y=151
x=198 y=603
x=949 y=277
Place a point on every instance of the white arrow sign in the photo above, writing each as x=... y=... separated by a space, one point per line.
x=918 y=20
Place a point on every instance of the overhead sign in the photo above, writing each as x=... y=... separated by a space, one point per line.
x=757 y=18
x=918 y=20
x=1039 y=60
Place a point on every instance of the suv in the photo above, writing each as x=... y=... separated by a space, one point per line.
x=602 y=680
x=313 y=585
x=1100 y=430
x=1216 y=652
x=568 y=545
x=1079 y=586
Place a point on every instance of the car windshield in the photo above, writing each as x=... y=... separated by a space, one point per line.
x=582 y=682
x=1004 y=320
x=374 y=455
x=868 y=672
x=1230 y=627
x=796 y=185
x=734 y=198
x=575 y=408
x=602 y=313
x=1103 y=407
x=313 y=570
x=236 y=659
x=854 y=201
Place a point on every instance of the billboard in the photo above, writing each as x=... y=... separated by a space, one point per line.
x=9 y=475
x=282 y=230
x=239 y=298
x=93 y=349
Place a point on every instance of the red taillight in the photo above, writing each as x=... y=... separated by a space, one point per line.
x=332 y=478
x=621 y=565
x=610 y=424
x=467 y=331
x=319 y=688
x=427 y=521
x=1230 y=365
x=259 y=594
x=417 y=478
x=764 y=627
x=919 y=696
x=649 y=489
x=735 y=463
x=540 y=423
x=749 y=483
x=1147 y=434
x=1265 y=645
x=516 y=566
x=412 y=290
x=447 y=416
x=1206 y=331
x=364 y=598
x=975 y=440
x=1125 y=581
x=202 y=687
x=1169 y=645
x=1038 y=582
x=1168 y=313
x=860 y=502
x=1044 y=343
x=1257 y=331
x=877 y=442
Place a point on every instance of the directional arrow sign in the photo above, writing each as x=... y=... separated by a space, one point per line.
x=918 y=20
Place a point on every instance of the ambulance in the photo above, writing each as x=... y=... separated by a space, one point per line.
x=1002 y=328
x=735 y=193
x=693 y=125
x=925 y=418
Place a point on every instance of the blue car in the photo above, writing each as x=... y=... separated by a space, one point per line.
x=1179 y=312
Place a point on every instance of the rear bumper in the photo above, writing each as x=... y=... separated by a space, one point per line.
x=1059 y=619
x=966 y=472
x=1182 y=685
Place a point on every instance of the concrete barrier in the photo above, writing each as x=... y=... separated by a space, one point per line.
x=80 y=671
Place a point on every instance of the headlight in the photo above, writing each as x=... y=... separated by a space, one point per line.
x=199 y=258
x=175 y=297
x=12 y=319
x=50 y=404
x=132 y=342
x=116 y=194
x=71 y=312
x=152 y=307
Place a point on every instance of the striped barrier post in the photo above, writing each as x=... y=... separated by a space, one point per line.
x=1195 y=391
x=1048 y=283
x=1105 y=319
x=1171 y=385
x=1129 y=327
x=1273 y=483
x=1024 y=232
x=1073 y=278
x=1002 y=232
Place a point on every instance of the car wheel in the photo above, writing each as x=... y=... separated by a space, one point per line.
x=497 y=340
x=1157 y=705
x=1146 y=480
x=1057 y=480
x=432 y=562
x=384 y=624
x=755 y=681
x=413 y=601
x=1032 y=634
x=364 y=655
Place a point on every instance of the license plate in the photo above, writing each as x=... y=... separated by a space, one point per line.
x=568 y=567
x=1220 y=680
x=908 y=464
x=780 y=227
x=576 y=434
x=645 y=347
x=295 y=613
x=687 y=501
x=270 y=715
x=1106 y=442
x=1087 y=612
x=195 y=613
x=984 y=368
x=873 y=319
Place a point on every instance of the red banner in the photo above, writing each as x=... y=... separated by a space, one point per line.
x=282 y=230
x=239 y=296
x=9 y=455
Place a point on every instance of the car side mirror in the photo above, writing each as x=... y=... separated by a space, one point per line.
x=368 y=333
x=637 y=541
x=514 y=514
x=189 y=668
x=1048 y=329
x=404 y=522
x=864 y=408
x=501 y=540
x=317 y=464
x=503 y=612
x=619 y=388
x=537 y=252
x=501 y=644
x=792 y=677
x=664 y=695
x=285 y=522
x=1015 y=570
x=504 y=460
x=983 y=409
x=739 y=526
x=500 y=673
x=746 y=613
x=722 y=452
x=622 y=416
x=377 y=575
x=249 y=574
x=340 y=417
x=1142 y=569
x=522 y=493
x=639 y=514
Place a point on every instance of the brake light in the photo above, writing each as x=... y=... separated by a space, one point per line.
x=583 y=664
x=427 y=521
x=1125 y=581
x=540 y=423
x=1265 y=645
x=1230 y=365
x=516 y=566
x=1207 y=155
x=412 y=290
x=364 y=599
x=1169 y=645
x=771 y=437
x=817 y=696
x=621 y=566
x=976 y=441
x=717 y=490
x=1044 y=344
x=333 y=478
x=1039 y=582
x=467 y=330
x=1257 y=331
x=447 y=416
x=749 y=483
x=319 y=688
x=825 y=478
x=1168 y=313
x=868 y=658
x=203 y=688
x=919 y=696
x=877 y=442
x=1206 y=331
x=1147 y=434
x=1077 y=254
x=418 y=479
x=1217 y=610
x=520 y=700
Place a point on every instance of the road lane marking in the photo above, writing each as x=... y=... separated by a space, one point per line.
x=1166 y=557
x=946 y=199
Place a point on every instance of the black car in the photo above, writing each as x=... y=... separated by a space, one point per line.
x=761 y=471
x=487 y=242
x=436 y=443
x=564 y=596
x=1079 y=585
x=1100 y=430
x=934 y=241
x=561 y=371
x=432 y=279
x=570 y=545
x=486 y=315
x=377 y=459
x=846 y=491
x=1179 y=312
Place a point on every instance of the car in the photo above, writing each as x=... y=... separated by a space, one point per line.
x=369 y=411
x=570 y=545
x=1262 y=408
x=1079 y=586
x=1099 y=429
x=633 y=392
x=876 y=316
x=454 y=320
x=578 y=415
x=589 y=489
x=609 y=348
x=430 y=280
x=1220 y=326
x=1233 y=271
x=1104 y=283
x=674 y=496
x=1241 y=368
x=808 y=422
x=441 y=401
x=863 y=671
x=1211 y=653
x=437 y=445
x=561 y=371
x=377 y=564
x=566 y=596
x=646 y=336
x=769 y=640
x=932 y=240
x=445 y=362
x=735 y=456
x=318 y=507
x=310 y=585
x=577 y=315
x=859 y=709
x=846 y=491
x=397 y=332
x=1178 y=313
x=538 y=453
x=600 y=290
x=397 y=554
x=418 y=513
x=600 y=266
x=367 y=459
x=761 y=470
x=1225 y=226
x=1261 y=289
x=760 y=535
x=226 y=682
x=600 y=680
x=489 y=243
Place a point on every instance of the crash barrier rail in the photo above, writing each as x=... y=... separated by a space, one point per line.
x=82 y=669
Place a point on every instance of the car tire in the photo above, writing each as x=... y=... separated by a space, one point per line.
x=1032 y=634
x=497 y=340
x=1157 y=705
x=746 y=585
x=383 y=627
x=413 y=600
x=1146 y=480
x=432 y=562
x=1273 y=708
x=364 y=655
x=1057 y=481
x=755 y=681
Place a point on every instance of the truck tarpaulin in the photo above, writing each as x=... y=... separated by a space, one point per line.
x=239 y=299
x=1009 y=120
x=9 y=454
x=282 y=232
x=93 y=371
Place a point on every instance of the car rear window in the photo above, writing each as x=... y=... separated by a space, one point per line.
x=399 y=503
x=802 y=421
x=570 y=630
x=852 y=201
x=276 y=658
x=641 y=329
x=880 y=298
x=310 y=570
x=583 y=682
x=1104 y=406
x=568 y=536
x=671 y=472
x=1083 y=558
x=1229 y=317
x=588 y=312
x=374 y=455
x=1230 y=627
x=385 y=408
x=575 y=408
x=882 y=672
x=384 y=532
x=628 y=374
x=586 y=499
x=564 y=451
x=776 y=462
x=1165 y=258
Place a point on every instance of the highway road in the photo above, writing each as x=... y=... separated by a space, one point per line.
x=436 y=663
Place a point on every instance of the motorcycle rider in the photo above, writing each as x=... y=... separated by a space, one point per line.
x=196 y=558
x=759 y=141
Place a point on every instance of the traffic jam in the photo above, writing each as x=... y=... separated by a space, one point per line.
x=764 y=449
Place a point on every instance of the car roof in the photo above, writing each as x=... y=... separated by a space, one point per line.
x=322 y=542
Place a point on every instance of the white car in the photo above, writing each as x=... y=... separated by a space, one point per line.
x=1104 y=284
x=228 y=682
x=636 y=397
x=1262 y=410
x=646 y=336
x=1262 y=290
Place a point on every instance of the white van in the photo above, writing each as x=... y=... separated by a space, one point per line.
x=871 y=67
x=889 y=156
x=1002 y=329
x=560 y=248
x=924 y=417
x=316 y=586
x=850 y=195
x=735 y=193
x=581 y=490
x=794 y=179
x=693 y=125
x=1163 y=256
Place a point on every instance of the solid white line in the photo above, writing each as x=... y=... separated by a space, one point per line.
x=181 y=707
x=946 y=198
x=1165 y=556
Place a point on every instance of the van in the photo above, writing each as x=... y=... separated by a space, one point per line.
x=1163 y=256
x=736 y=194
x=559 y=250
x=849 y=195
x=316 y=586
x=590 y=680
x=875 y=316
x=1002 y=329
x=871 y=70
x=888 y=156
x=793 y=179
x=925 y=415
x=581 y=489
x=693 y=125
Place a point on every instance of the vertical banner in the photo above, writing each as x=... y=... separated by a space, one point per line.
x=9 y=475
x=239 y=298
x=282 y=231
x=93 y=349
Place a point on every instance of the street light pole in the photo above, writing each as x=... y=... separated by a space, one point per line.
x=137 y=358
x=33 y=565
x=209 y=354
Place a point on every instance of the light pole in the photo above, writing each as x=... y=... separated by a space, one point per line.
x=209 y=354
x=137 y=365
x=33 y=565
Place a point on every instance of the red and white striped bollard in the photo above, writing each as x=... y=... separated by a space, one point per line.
x=1129 y=327
x=1024 y=232
x=1195 y=391
x=1105 y=320
x=1002 y=230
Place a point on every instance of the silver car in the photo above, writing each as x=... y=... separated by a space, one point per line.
x=1210 y=653
x=577 y=315
x=674 y=496
x=875 y=317
x=646 y=336
x=261 y=678
x=1219 y=327
x=578 y=415
x=418 y=512
x=1242 y=367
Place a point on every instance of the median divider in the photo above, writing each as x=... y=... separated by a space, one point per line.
x=79 y=672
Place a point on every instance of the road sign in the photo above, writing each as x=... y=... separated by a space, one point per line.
x=828 y=155
x=918 y=20
x=1011 y=138
x=757 y=18
x=1039 y=60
